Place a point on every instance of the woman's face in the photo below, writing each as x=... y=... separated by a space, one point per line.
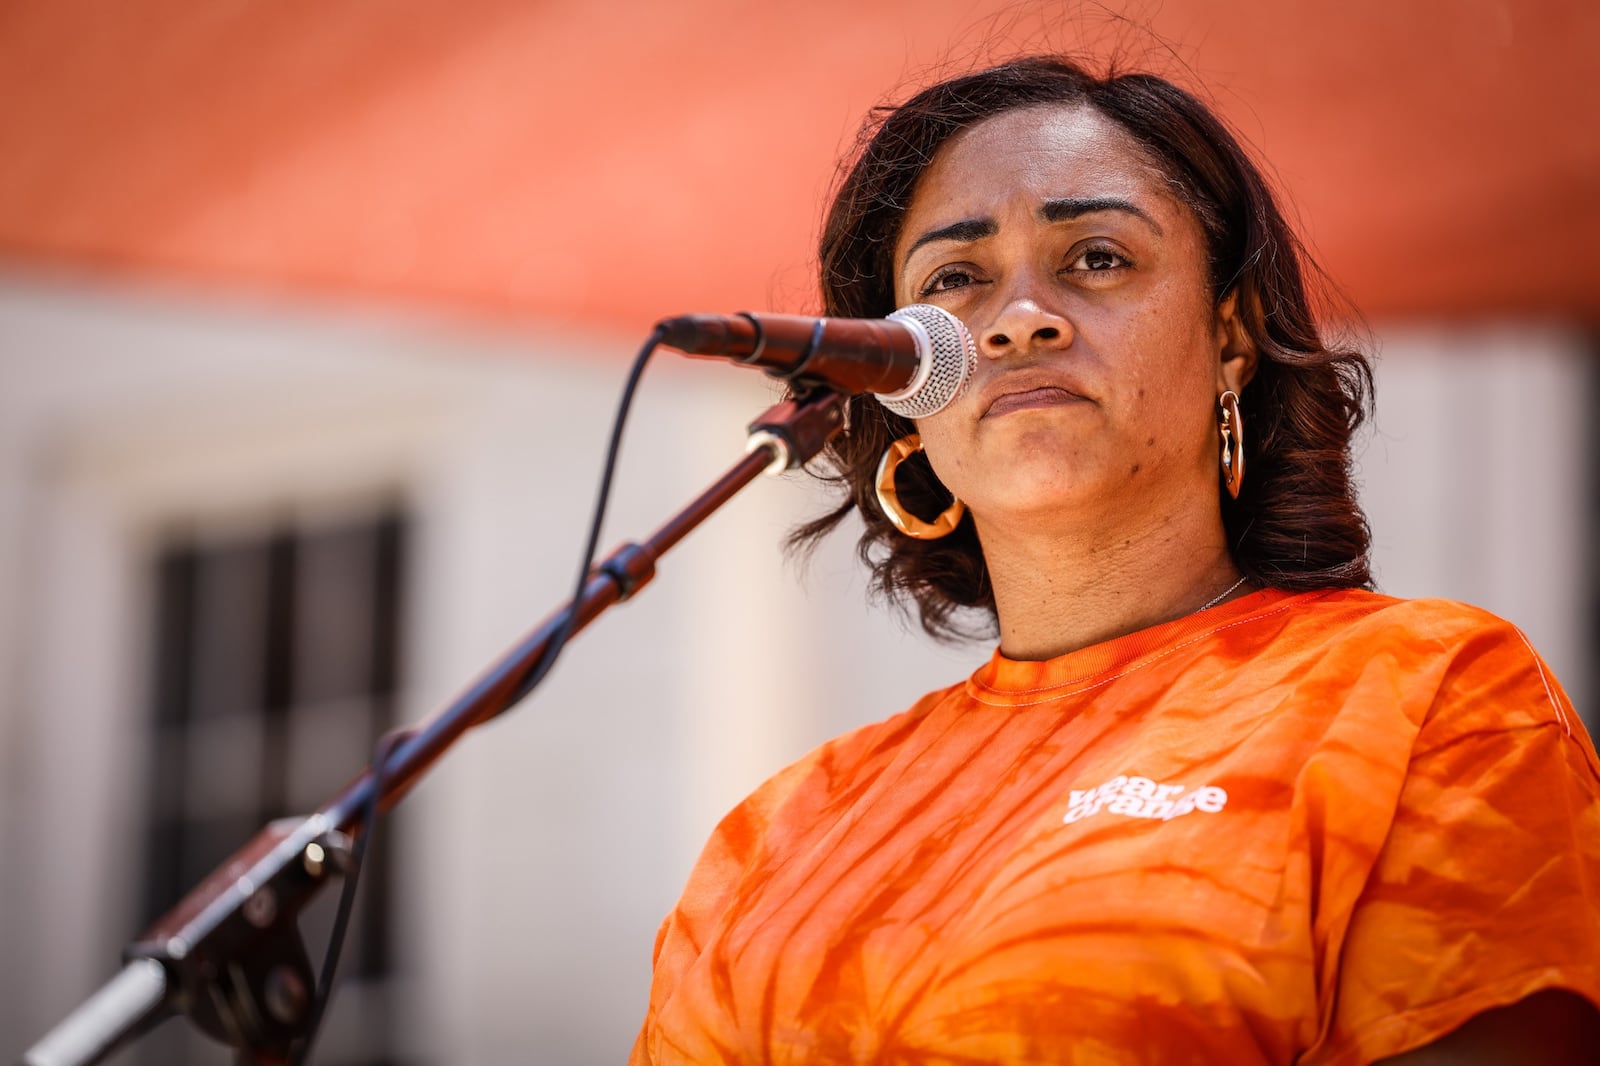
x=1083 y=279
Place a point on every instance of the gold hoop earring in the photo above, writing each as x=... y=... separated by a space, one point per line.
x=1231 y=425
x=889 y=496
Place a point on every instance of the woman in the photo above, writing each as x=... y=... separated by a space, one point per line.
x=1211 y=800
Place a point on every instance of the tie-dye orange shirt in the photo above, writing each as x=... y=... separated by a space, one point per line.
x=1314 y=828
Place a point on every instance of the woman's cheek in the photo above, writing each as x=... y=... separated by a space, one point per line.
x=946 y=458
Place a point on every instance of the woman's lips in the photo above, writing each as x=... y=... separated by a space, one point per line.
x=1043 y=396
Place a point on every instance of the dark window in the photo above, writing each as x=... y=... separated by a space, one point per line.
x=277 y=658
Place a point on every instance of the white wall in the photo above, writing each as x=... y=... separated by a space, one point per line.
x=1480 y=483
x=539 y=856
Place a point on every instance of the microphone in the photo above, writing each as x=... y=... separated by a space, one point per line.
x=916 y=361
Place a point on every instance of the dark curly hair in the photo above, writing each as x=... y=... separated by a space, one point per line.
x=1296 y=524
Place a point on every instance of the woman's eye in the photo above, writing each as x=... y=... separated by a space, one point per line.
x=1096 y=260
x=946 y=280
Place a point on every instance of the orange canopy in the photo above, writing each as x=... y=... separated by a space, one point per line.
x=614 y=163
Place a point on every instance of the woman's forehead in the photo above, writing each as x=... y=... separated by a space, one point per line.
x=1043 y=152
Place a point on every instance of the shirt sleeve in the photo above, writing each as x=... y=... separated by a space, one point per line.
x=712 y=884
x=743 y=846
x=1487 y=886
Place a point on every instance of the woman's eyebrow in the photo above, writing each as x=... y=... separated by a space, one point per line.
x=968 y=229
x=1065 y=209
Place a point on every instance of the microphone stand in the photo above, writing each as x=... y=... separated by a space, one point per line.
x=230 y=955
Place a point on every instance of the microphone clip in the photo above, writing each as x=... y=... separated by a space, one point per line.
x=797 y=429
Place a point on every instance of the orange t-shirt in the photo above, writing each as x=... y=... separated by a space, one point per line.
x=1312 y=828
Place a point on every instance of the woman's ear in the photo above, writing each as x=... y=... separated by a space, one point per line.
x=1236 y=362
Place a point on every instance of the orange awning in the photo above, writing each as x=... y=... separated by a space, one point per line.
x=614 y=163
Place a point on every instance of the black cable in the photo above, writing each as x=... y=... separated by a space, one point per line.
x=347 y=894
x=386 y=745
x=559 y=640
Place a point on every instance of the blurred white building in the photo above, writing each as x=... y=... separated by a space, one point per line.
x=297 y=524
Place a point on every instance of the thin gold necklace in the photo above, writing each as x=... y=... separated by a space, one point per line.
x=1224 y=595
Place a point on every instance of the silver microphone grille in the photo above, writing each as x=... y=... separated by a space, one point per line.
x=949 y=358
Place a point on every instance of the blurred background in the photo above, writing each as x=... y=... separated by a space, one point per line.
x=312 y=321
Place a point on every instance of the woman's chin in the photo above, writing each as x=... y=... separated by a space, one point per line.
x=1031 y=499
x=1046 y=496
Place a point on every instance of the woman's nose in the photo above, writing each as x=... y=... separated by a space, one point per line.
x=1024 y=324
